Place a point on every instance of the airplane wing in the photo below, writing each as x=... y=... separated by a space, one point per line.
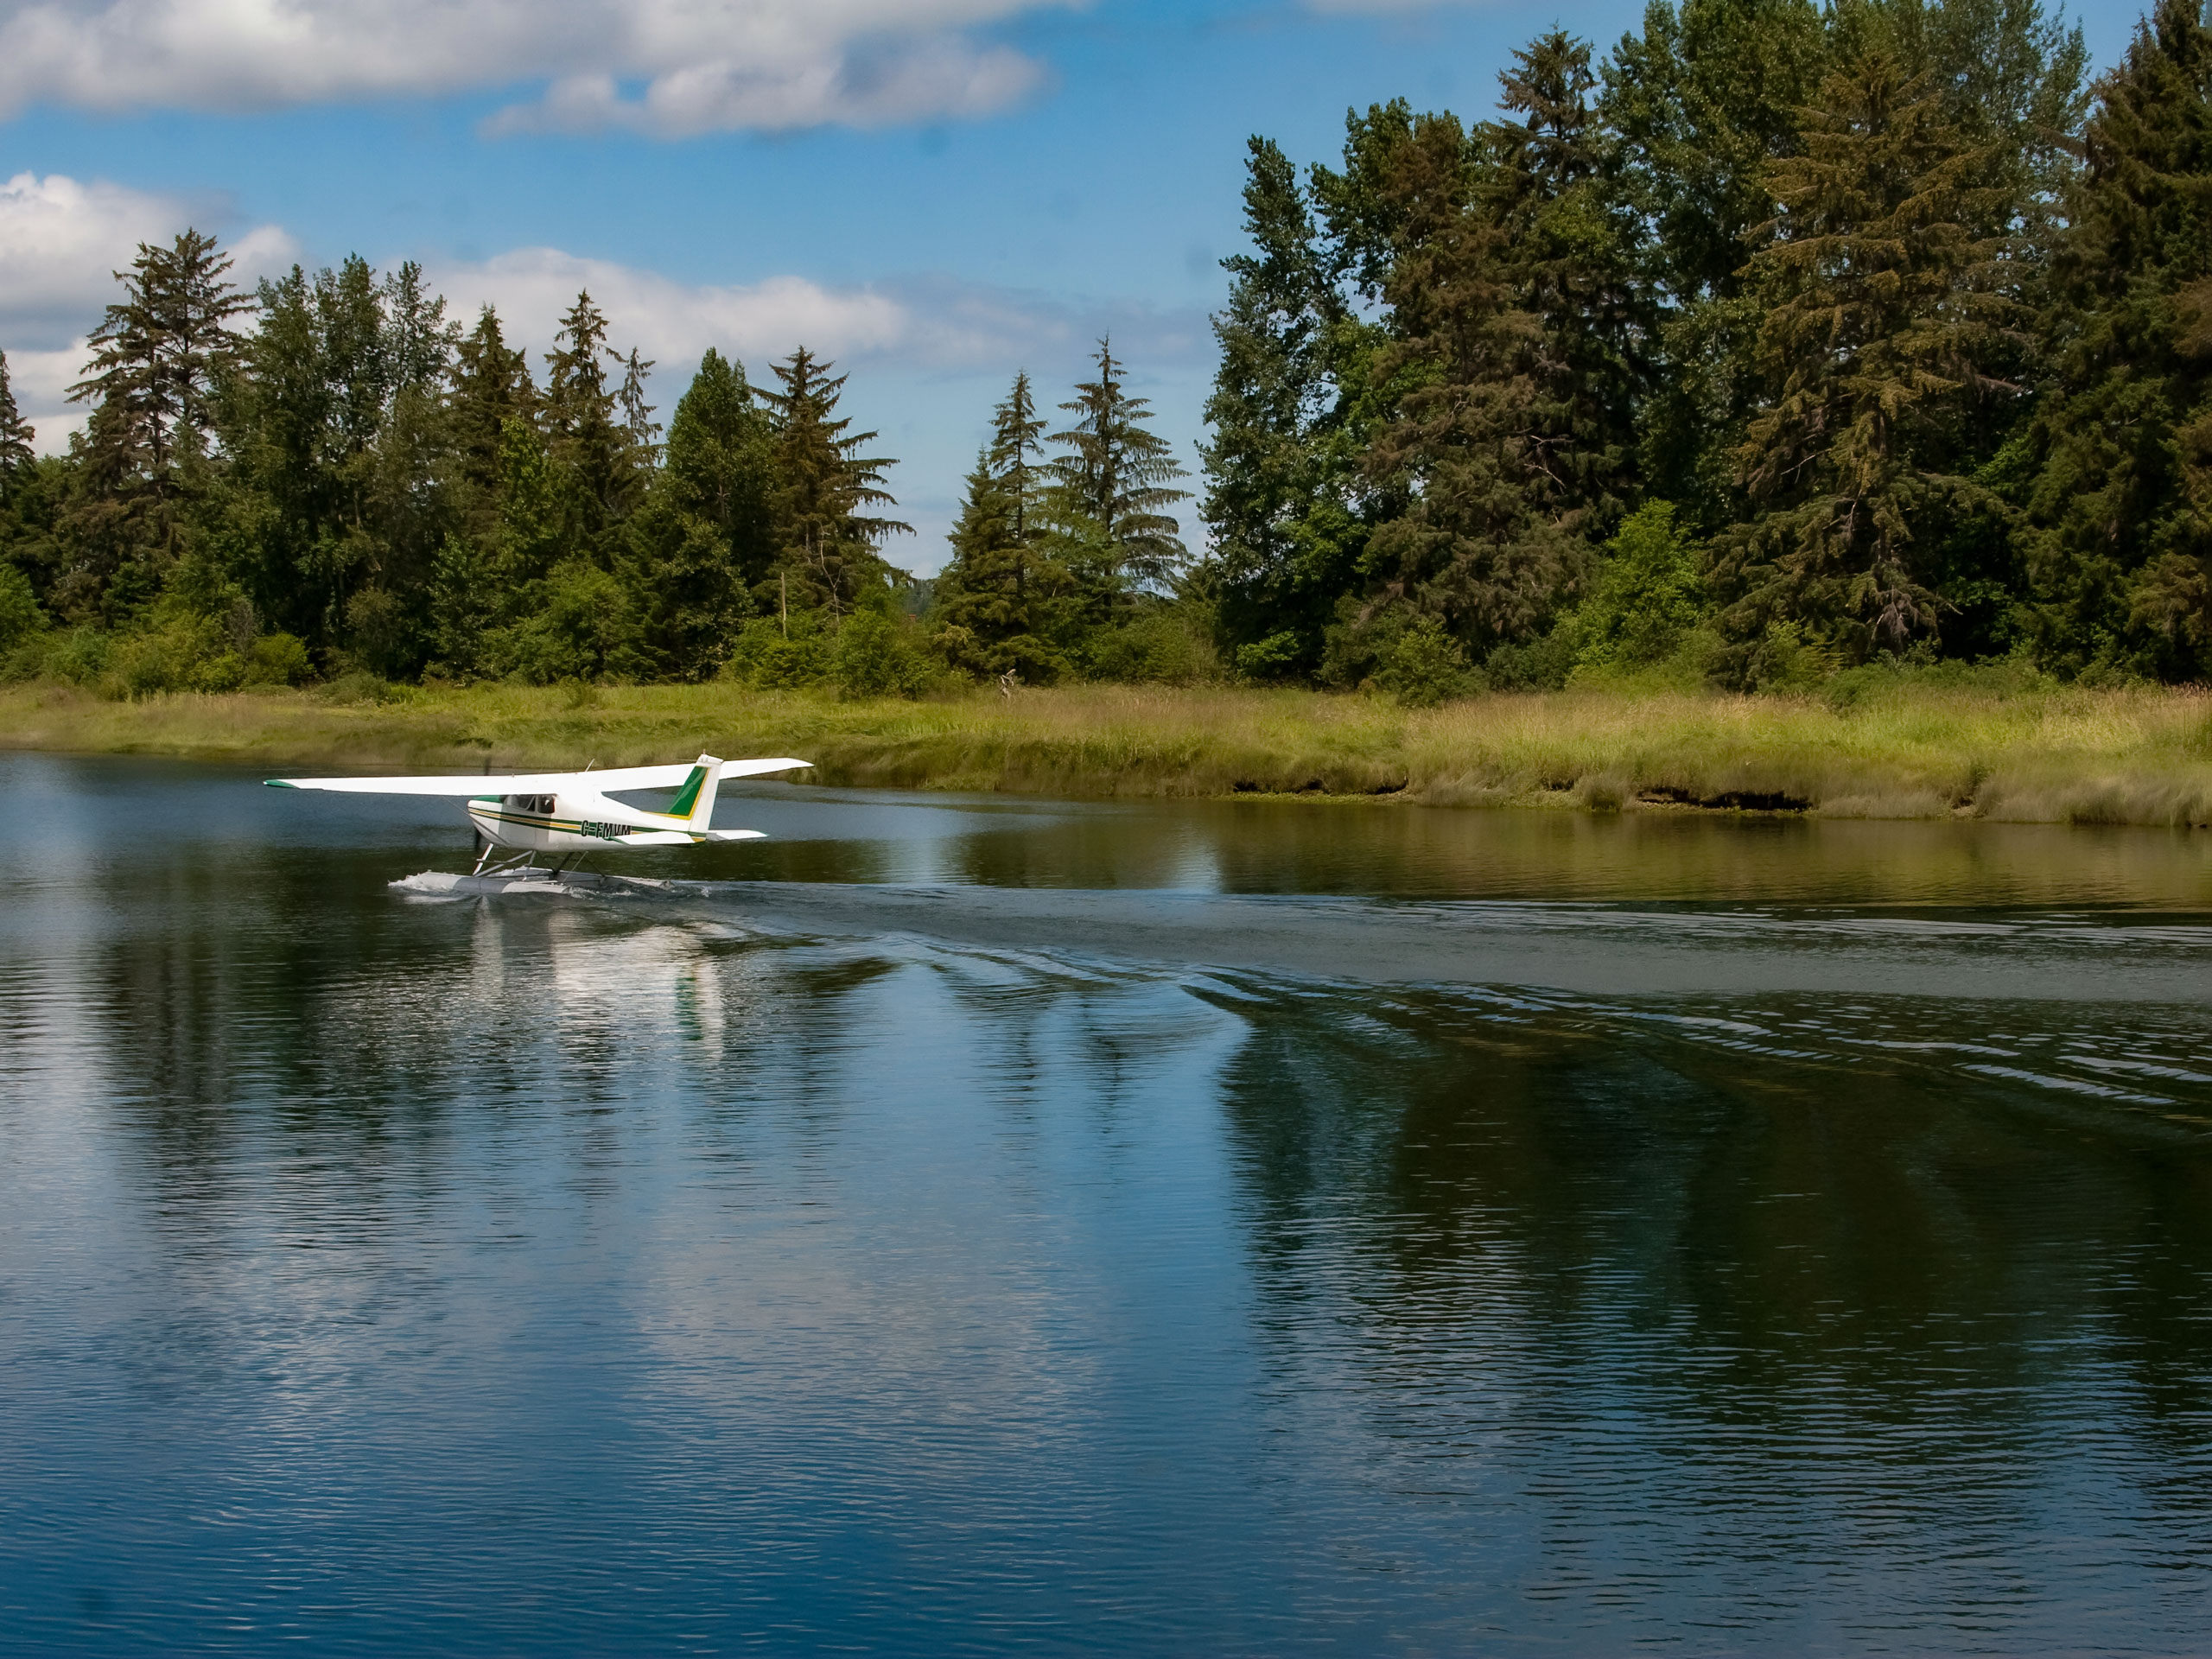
x=535 y=783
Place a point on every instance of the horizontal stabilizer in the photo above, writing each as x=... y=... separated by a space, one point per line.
x=686 y=837
x=538 y=783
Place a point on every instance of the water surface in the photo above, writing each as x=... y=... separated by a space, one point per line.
x=962 y=1225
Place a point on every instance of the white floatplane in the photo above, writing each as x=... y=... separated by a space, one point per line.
x=567 y=814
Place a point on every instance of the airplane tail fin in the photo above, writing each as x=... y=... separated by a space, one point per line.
x=696 y=800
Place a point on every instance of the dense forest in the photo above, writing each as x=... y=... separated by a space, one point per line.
x=1781 y=340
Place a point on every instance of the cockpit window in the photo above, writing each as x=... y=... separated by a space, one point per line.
x=538 y=803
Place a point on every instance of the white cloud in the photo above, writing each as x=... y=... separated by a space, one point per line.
x=673 y=322
x=60 y=243
x=702 y=65
x=1367 y=8
x=40 y=382
x=926 y=80
x=916 y=324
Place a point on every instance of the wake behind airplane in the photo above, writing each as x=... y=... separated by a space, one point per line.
x=570 y=813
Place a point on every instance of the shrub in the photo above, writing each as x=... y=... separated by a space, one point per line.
x=1424 y=665
x=1275 y=657
x=1539 y=665
x=772 y=654
x=874 y=656
x=1646 y=600
x=1158 y=646
x=225 y=670
x=1888 y=675
x=358 y=685
x=583 y=627
x=1783 y=660
x=20 y=616
x=277 y=660
x=165 y=657
x=79 y=656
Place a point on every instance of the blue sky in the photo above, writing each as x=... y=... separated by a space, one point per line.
x=935 y=191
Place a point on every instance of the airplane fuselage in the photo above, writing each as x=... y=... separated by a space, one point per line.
x=577 y=823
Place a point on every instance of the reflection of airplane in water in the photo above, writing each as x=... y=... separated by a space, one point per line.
x=566 y=814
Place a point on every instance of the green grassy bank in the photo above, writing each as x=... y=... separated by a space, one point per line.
x=1901 y=748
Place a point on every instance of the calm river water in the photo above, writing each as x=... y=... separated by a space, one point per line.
x=984 y=1226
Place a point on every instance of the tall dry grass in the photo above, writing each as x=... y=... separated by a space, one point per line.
x=2138 y=755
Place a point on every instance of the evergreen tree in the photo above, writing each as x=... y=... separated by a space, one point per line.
x=1486 y=539
x=1116 y=477
x=356 y=370
x=702 y=538
x=827 y=543
x=276 y=418
x=1017 y=445
x=31 y=494
x=1286 y=534
x=419 y=342
x=1570 y=249
x=337 y=499
x=2122 y=556
x=414 y=491
x=586 y=435
x=533 y=530
x=1000 y=601
x=491 y=386
x=156 y=355
x=1363 y=214
x=1881 y=305
x=16 y=432
x=637 y=422
x=1523 y=330
x=1703 y=103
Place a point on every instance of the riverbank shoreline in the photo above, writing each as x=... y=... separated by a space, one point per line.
x=2140 y=755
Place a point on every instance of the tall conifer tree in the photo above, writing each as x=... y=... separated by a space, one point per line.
x=1279 y=474
x=1881 y=304
x=1570 y=246
x=413 y=493
x=1486 y=538
x=1708 y=96
x=637 y=422
x=1117 y=474
x=584 y=430
x=15 y=433
x=2123 y=498
x=828 y=542
x=492 y=386
x=999 y=599
x=157 y=355
x=1015 y=456
x=703 y=534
